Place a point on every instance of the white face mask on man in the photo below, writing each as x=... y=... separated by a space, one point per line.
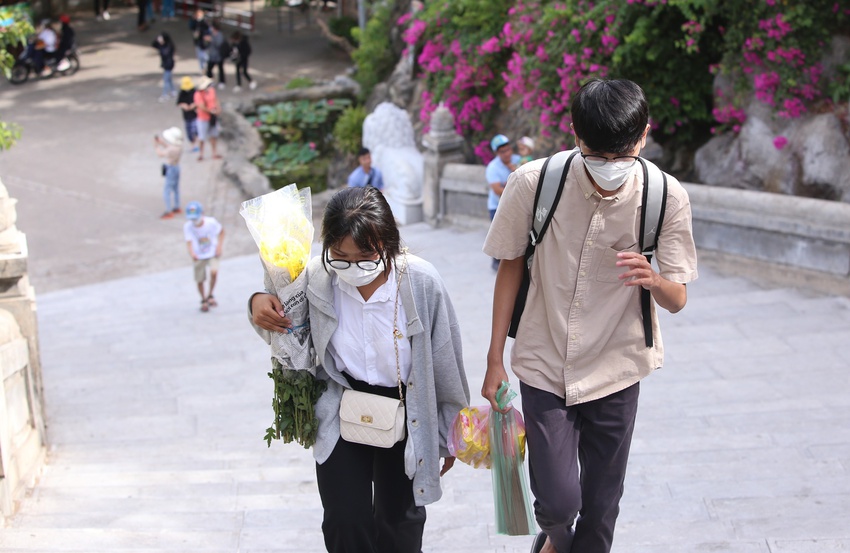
x=611 y=175
x=356 y=276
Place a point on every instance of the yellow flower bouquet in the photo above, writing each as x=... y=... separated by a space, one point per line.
x=281 y=224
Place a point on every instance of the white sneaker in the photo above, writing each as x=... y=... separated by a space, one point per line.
x=63 y=65
x=163 y=98
x=105 y=15
x=237 y=89
x=253 y=85
x=221 y=86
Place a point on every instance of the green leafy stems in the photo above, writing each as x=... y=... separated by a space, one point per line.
x=295 y=397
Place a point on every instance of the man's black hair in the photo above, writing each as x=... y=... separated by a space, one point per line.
x=610 y=116
x=362 y=152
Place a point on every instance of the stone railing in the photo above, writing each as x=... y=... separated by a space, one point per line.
x=22 y=429
x=771 y=237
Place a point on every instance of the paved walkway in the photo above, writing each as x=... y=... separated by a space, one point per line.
x=157 y=413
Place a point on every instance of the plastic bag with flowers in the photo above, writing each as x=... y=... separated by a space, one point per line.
x=469 y=439
x=281 y=224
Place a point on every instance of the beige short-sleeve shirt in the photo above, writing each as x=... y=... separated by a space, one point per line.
x=581 y=334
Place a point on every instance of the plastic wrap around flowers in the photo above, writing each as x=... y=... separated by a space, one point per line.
x=281 y=224
x=480 y=437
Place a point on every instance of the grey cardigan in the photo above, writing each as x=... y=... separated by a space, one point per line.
x=436 y=389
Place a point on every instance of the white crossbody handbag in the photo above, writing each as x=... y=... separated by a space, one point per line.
x=371 y=419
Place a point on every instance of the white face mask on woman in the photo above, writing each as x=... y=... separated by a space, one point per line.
x=611 y=175
x=356 y=276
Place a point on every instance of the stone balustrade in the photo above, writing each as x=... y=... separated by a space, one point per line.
x=784 y=239
x=22 y=428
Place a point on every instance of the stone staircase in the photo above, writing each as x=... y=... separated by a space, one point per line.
x=156 y=416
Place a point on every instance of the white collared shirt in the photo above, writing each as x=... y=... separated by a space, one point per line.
x=362 y=344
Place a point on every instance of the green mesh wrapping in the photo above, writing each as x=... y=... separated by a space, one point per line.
x=510 y=484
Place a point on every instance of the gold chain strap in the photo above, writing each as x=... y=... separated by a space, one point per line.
x=396 y=332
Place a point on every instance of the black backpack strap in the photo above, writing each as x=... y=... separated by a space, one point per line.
x=654 y=204
x=550 y=185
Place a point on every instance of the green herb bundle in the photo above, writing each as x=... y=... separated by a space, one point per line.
x=295 y=395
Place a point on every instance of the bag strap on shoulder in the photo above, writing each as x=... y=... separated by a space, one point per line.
x=651 y=219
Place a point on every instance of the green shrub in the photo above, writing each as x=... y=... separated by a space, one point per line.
x=348 y=131
x=298 y=139
x=299 y=82
x=374 y=57
x=343 y=27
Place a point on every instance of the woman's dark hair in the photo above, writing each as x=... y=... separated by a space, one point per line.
x=364 y=214
x=166 y=39
x=610 y=116
x=236 y=36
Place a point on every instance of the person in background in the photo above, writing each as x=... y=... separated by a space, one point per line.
x=208 y=108
x=67 y=38
x=365 y=174
x=204 y=237
x=240 y=52
x=165 y=46
x=170 y=147
x=382 y=322
x=186 y=103
x=168 y=10
x=200 y=31
x=497 y=173
x=141 y=15
x=101 y=9
x=525 y=149
x=218 y=50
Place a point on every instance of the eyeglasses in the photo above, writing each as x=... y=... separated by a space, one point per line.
x=598 y=162
x=365 y=264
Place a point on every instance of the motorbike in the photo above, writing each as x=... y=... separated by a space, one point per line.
x=24 y=66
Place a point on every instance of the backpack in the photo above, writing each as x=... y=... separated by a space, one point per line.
x=550 y=184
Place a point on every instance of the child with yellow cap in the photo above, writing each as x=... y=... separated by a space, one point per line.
x=186 y=103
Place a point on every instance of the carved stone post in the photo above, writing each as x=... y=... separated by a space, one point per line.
x=442 y=145
x=22 y=430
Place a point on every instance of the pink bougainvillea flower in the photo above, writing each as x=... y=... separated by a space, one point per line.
x=491 y=46
x=312 y=145
x=674 y=101
x=779 y=142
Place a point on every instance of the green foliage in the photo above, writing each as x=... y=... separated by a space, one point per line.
x=299 y=82
x=295 y=395
x=15 y=27
x=298 y=138
x=472 y=54
x=374 y=56
x=348 y=131
x=343 y=27
x=839 y=87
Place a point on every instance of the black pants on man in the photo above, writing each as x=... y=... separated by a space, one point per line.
x=354 y=521
x=220 y=65
x=577 y=457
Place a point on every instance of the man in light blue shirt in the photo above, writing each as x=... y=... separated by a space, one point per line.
x=365 y=175
x=498 y=171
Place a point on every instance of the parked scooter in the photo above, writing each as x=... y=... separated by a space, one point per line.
x=24 y=66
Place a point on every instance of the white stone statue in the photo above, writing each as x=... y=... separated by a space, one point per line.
x=388 y=134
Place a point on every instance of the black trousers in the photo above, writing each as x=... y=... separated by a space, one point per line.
x=242 y=69
x=101 y=6
x=367 y=497
x=220 y=65
x=577 y=457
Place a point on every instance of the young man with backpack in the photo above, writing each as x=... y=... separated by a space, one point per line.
x=581 y=344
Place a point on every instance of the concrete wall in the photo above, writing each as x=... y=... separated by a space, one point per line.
x=759 y=233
